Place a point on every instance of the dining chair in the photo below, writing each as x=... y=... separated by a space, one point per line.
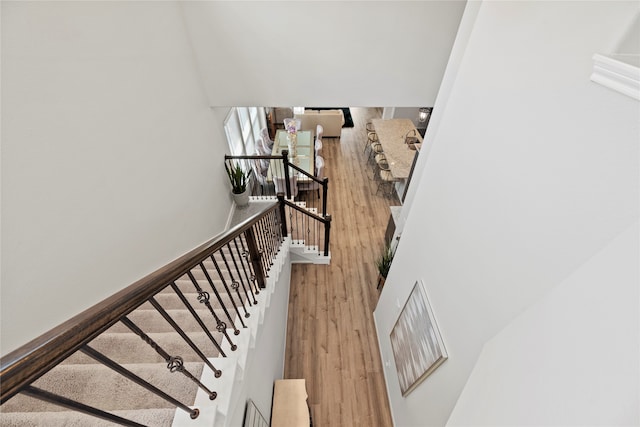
x=319 y=131
x=262 y=150
x=261 y=175
x=266 y=149
x=266 y=138
x=313 y=185
x=281 y=186
x=318 y=147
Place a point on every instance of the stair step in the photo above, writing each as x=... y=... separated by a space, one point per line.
x=169 y=300
x=154 y=417
x=99 y=386
x=150 y=320
x=129 y=348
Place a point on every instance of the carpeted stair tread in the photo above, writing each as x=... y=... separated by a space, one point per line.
x=99 y=386
x=148 y=417
x=213 y=274
x=150 y=320
x=168 y=298
x=129 y=348
x=171 y=301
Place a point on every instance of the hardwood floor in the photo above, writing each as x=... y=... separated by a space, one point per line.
x=331 y=339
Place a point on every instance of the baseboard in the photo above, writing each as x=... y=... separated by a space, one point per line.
x=232 y=211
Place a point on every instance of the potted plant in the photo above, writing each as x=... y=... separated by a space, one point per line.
x=383 y=262
x=238 y=179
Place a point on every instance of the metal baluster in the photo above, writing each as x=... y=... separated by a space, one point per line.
x=297 y=224
x=99 y=357
x=248 y=280
x=203 y=298
x=267 y=255
x=317 y=232
x=264 y=244
x=258 y=230
x=247 y=256
x=271 y=226
x=222 y=304
x=74 y=405
x=310 y=242
x=246 y=265
x=235 y=285
x=174 y=363
x=279 y=220
x=239 y=276
x=291 y=223
x=184 y=336
x=254 y=255
x=224 y=283
x=274 y=232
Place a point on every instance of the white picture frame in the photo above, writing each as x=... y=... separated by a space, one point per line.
x=418 y=348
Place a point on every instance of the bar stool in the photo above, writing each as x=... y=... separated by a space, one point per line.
x=372 y=138
x=369 y=126
x=381 y=163
x=386 y=179
x=376 y=149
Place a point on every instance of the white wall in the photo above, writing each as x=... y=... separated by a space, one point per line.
x=358 y=53
x=267 y=357
x=110 y=155
x=104 y=118
x=573 y=358
x=532 y=170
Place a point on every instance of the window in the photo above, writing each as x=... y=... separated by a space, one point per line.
x=242 y=127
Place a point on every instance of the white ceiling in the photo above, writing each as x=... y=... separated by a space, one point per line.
x=357 y=53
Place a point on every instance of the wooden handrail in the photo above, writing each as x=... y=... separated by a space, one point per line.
x=291 y=165
x=29 y=362
x=324 y=220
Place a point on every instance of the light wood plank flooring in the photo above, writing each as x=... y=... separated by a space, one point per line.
x=331 y=339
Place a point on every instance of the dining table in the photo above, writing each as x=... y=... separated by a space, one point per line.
x=305 y=152
x=392 y=134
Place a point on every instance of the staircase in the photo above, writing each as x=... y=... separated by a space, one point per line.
x=307 y=233
x=217 y=303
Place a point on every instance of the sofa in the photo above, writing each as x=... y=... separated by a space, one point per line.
x=331 y=121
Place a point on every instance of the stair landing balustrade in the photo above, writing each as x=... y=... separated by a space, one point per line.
x=307 y=221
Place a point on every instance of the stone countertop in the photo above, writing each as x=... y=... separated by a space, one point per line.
x=391 y=134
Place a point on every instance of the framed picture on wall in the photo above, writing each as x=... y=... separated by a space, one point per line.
x=416 y=342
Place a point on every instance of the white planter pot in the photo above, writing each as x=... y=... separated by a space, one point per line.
x=241 y=199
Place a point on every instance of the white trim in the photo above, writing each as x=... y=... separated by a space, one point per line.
x=230 y=217
x=616 y=75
